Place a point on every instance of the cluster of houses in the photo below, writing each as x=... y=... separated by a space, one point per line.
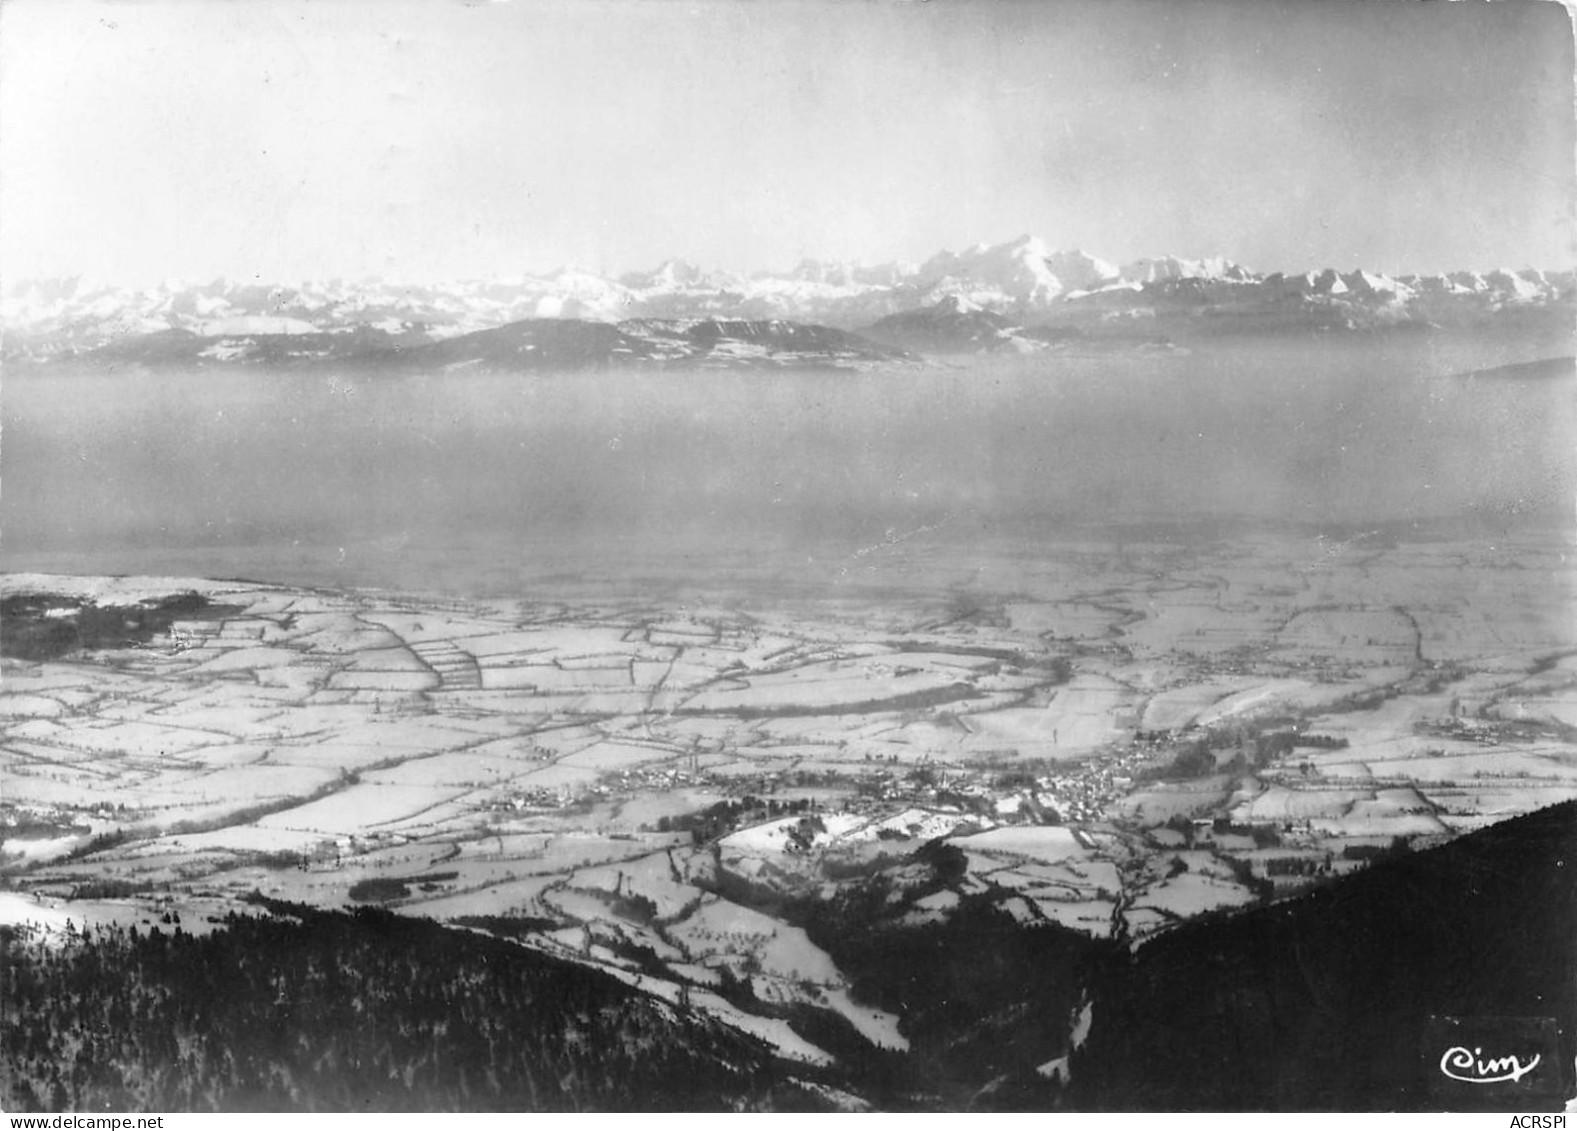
x=534 y=798
x=1485 y=732
x=335 y=850
x=634 y=780
x=1084 y=795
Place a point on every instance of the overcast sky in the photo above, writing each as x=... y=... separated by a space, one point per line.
x=447 y=139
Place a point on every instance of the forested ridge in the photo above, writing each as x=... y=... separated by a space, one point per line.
x=334 y=1011
x=1323 y=1002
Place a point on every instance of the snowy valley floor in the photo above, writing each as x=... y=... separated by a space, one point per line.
x=1111 y=736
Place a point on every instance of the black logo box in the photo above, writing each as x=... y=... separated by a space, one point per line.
x=1481 y=1063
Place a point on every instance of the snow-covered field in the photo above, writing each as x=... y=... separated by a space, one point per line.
x=643 y=783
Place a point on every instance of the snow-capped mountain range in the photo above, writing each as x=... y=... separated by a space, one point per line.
x=1023 y=284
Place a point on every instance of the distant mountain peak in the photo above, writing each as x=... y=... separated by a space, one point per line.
x=670 y=274
x=956 y=304
x=1170 y=267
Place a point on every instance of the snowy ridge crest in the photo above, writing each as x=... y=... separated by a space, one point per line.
x=1025 y=279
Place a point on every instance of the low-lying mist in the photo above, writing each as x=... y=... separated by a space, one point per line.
x=100 y=468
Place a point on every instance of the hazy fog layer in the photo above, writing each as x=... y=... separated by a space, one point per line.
x=344 y=479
